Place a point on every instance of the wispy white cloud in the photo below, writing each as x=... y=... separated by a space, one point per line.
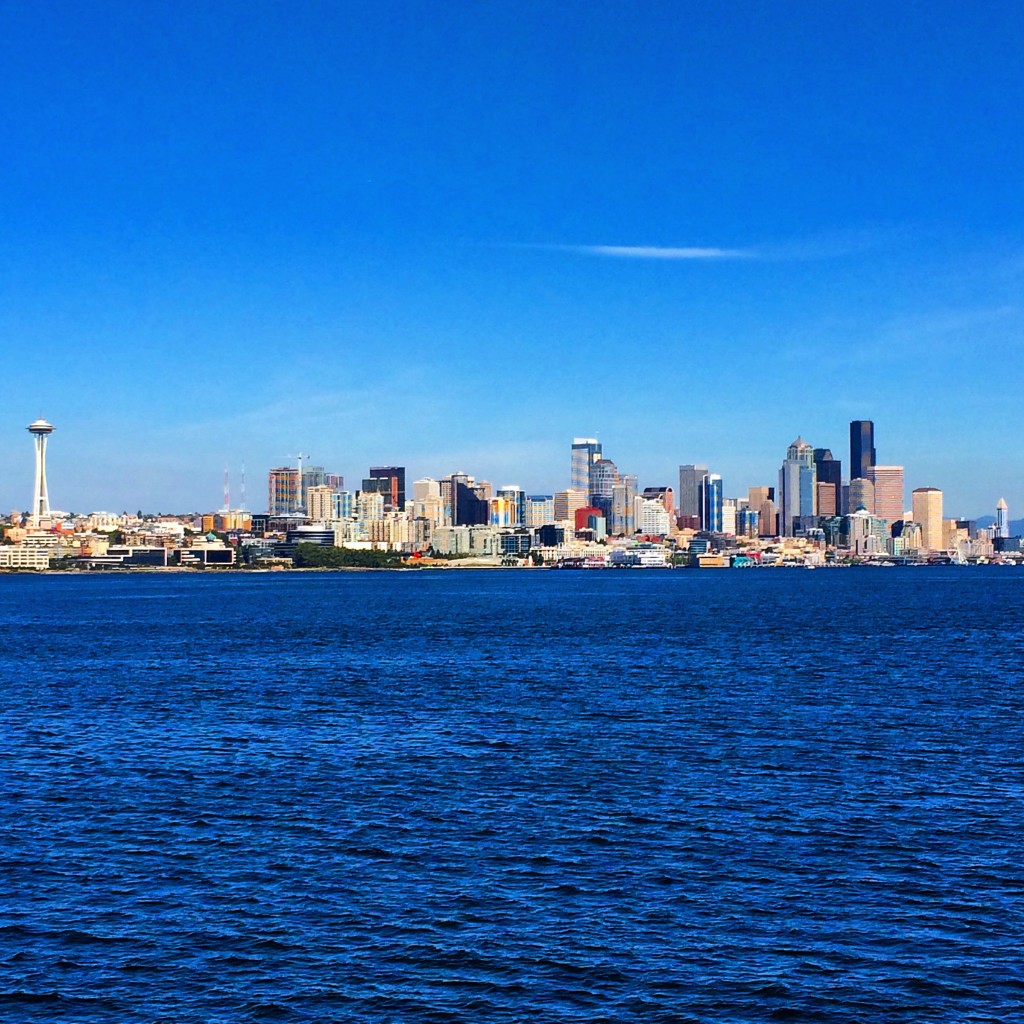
x=659 y=252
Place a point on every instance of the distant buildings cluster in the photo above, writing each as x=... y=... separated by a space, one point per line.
x=811 y=514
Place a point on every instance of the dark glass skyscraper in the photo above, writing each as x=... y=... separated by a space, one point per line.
x=389 y=481
x=862 y=448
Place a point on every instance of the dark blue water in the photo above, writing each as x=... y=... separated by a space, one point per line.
x=483 y=796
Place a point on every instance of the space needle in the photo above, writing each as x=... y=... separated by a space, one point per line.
x=40 y=431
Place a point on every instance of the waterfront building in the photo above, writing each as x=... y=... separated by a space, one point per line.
x=888 y=487
x=282 y=490
x=549 y=535
x=927 y=513
x=40 y=431
x=711 y=503
x=862 y=495
x=906 y=538
x=862 y=448
x=689 y=496
x=540 y=510
x=797 y=480
x=1002 y=525
x=867 y=534
x=952 y=535
x=389 y=481
x=585 y=452
x=566 y=503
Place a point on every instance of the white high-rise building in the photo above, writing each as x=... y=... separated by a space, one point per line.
x=797 y=487
x=654 y=520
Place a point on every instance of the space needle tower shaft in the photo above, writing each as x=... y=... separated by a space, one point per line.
x=40 y=431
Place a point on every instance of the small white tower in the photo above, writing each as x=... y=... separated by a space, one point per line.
x=1002 y=519
x=40 y=431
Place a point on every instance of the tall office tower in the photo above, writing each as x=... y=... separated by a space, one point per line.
x=623 y=518
x=585 y=452
x=320 y=503
x=40 y=431
x=888 y=481
x=828 y=501
x=862 y=496
x=515 y=497
x=467 y=508
x=862 y=448
x=1002 y=519
x=335 y=481
x=829 y=471
x=483 y=489
x=730 y=514
x=389 y=481
x=711 y=502
x=797 y=480
x=282 y=490
x=762 y=500
x=540 y=510
x=604 y=475
x=566 y=503
x=427 y=503
x=927 y=512
x=690 y=478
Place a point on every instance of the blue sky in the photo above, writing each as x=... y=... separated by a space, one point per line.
x=453 y=236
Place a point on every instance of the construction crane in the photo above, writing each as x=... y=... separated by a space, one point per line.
x=300 y=497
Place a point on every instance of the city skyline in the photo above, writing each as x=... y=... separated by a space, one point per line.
x=689 y=482
x=425 y=237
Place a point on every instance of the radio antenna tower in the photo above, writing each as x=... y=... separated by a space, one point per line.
x=243 y=486
x=227 y=490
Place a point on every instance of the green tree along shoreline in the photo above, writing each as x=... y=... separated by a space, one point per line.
x=316 y=556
